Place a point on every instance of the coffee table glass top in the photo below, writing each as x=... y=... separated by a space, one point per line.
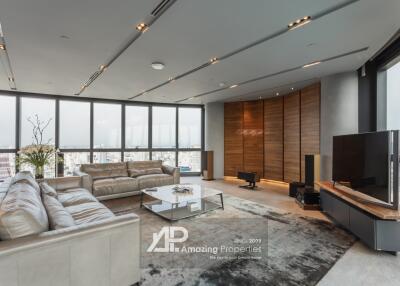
x=173 y=205
x=168 y=194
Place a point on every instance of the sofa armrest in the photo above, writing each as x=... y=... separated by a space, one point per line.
x=63 y=183
x=87 y=181
x=88 y=254
x=173 y=171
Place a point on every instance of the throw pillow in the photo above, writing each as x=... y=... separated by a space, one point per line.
x=151 y=171
x=133 y=173
x=48 y=190
x=25 y=177
x=59 y=217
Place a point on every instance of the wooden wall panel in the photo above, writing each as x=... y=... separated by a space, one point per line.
x=253 y=140
x=273 y=139
x=310 y=122
x=291 y=137
x=233 y=139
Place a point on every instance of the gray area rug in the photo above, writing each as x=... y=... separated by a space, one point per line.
x=296 y=250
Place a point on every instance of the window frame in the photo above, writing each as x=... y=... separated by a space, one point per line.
x=91 y=149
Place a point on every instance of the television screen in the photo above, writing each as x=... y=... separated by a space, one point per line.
x=362 y=161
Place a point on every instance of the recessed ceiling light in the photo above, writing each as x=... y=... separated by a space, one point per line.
x=2 y=47
x=311 y=64
x=142 y=27
x=299 y=22
x=157 y=66
x=260 y=97
x=292 y=88
x=222 y=84
x=233 y=86
x=277 y=94
x=214 y=61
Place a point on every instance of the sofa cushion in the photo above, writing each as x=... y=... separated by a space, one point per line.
x=155 y=180
x=76 y=196
x=111 y=186
x=26 y=177
x=142 y=165
x=105 y=170
x=22 y=212
x=125 y=184
x=48 y=190
x=153 y=171
x=89 y=212
x=58 y=216
x=136 y=172
x=102 y=187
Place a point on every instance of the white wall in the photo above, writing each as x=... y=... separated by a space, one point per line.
x=339 y=114
x=214 y=135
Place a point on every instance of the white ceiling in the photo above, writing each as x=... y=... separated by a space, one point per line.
x=185 y=36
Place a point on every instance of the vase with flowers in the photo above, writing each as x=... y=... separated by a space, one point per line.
x=39 y=154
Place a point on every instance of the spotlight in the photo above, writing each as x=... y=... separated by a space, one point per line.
x=299 y=22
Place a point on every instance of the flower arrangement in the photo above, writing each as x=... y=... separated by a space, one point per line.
x=38 y=154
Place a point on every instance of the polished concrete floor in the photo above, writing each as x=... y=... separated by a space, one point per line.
x=359 y=266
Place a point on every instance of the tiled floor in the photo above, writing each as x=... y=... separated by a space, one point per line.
x=359 y=266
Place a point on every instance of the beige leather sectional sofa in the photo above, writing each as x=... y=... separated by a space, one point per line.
x=114 y=180
x=58 y=233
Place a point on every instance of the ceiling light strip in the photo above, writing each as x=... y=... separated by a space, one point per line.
x=276 y=73
x=258 y=42
x=5 y=61
x=140 y=29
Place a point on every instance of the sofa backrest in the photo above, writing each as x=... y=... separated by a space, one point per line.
x=22 y=212
x=105 y=170
x=144 y=165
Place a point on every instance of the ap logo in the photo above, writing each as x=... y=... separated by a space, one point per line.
x=170 y=238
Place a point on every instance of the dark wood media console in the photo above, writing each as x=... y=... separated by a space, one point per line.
x=376 y=226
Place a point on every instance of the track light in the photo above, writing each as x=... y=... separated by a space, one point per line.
x=171 y=79
x=311 y=64
x=233 y=86
x=214 y=61
x=5 y=61
x=142 y=27
x=103 y=67
x=299 y=22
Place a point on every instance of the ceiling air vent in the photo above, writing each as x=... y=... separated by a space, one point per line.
x=159 y=7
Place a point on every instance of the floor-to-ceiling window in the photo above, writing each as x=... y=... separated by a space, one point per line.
x=89 y=130
x=393 y=97
x=74 y=134
x=35 y=112
x=189 y=139
x=7 y=138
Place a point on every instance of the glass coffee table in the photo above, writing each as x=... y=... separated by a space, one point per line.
x=173 y=206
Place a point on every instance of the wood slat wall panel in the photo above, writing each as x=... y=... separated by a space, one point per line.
x=273 y=139
x=291 y=135
x=310 y=123
x=253 y=139
x=233 y=139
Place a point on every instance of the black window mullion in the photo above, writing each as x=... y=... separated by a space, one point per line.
x=150 y=132
x=176 y=136
x=17 y=128
x=91 y=130
x=123 y=121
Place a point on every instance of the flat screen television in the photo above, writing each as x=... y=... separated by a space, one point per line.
x=365 y=163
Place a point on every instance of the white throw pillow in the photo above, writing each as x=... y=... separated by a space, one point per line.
x=59 y=217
